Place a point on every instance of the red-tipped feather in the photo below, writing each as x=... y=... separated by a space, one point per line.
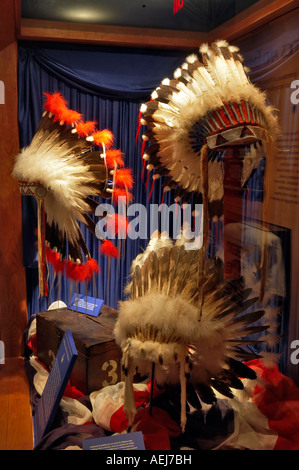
x=53 y=257
x=85 y=129
x=103 y=137
x=69 y=269
x=108 y=249
x=55 y=104
x=75 y=271
x=123 y=178
x=49 y=255
x=69 y=116
x=79 y=273
x=118 y=192
x=59 y=264
x=114 y=157
x=91 y=267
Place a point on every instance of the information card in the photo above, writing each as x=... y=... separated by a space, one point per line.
x=130 y=441
x=88 y=305
x=58 y=378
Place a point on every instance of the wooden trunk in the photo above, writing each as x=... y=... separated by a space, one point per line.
x=99 y=358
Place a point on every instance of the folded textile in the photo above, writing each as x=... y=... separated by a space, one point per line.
x=277 y=397
x=108 y=405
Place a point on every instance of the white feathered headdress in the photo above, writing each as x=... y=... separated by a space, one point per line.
x=191 y=323
x=210 y=104
x=67 y=164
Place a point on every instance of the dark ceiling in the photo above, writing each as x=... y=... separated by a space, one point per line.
x=194 y=15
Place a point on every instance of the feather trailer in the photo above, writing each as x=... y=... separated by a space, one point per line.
x=159 y=323
x=210 y=100
x=66 y=167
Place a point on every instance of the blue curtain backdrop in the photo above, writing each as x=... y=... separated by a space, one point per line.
x=106 y=85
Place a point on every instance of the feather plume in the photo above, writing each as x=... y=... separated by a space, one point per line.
x=108 y=249
x=65 y=172
x=123 y=178
x=114 y=157
x=104 y=137
x=84 y=129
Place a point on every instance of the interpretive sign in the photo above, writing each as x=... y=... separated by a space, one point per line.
x=58 y=378
x=130 y=441
x=88 y=305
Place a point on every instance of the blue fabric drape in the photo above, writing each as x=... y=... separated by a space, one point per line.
x=106 y=85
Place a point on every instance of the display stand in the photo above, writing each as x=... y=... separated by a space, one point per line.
x=232 y=209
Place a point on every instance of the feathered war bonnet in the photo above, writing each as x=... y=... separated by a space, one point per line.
x=208 y=106
x=185 y=321
x=185 y=324
x=69 y=163
x=208 y=130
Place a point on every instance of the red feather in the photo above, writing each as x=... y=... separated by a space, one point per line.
x=54 y=104
x=69 y=269
x=118 y=192
x=49 y=255
x=57 y=105
x=114 y=157
x=69 y=116
x=53 y=257
x=91 y=267
x=75 y=271
x=123 y=178
x=103 y=137
x=84 y=129
x=59 y=264
x=108 y=249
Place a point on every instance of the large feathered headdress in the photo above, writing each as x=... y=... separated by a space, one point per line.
x=190 y=323
x=184 y=314
x=209 y=105
x=69 y=163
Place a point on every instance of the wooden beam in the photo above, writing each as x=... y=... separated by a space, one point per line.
x=60 y=31
x=13 y=305
x=254 y=17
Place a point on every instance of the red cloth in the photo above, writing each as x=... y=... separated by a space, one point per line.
x=157 y=429
x=119 y=421
x=278 y=399
x=32 y=344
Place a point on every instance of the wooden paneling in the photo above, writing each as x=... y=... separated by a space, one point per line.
x=44 y=30
x=16 y=431
x=253 y=18
x=13 y=310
